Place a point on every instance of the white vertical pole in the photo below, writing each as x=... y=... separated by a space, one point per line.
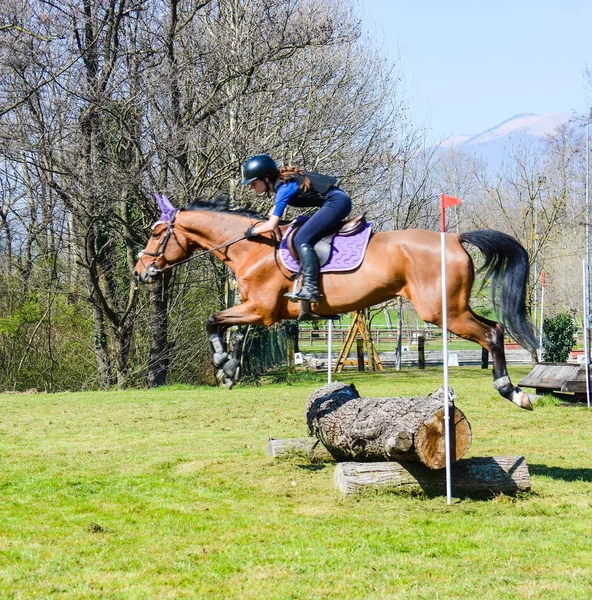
x=542 y=316
x=587 y=264
x=586 y=328
x=445 y=357
x=330 y=352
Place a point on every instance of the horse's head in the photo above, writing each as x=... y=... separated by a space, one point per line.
x=166 y=247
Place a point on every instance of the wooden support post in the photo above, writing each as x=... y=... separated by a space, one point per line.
x=360 y=350
x=421 y=351
x=346 y=346
x=290 y=352
x=357 y=328
x=370 y=353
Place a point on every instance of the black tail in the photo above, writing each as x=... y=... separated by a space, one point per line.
x=506 y=263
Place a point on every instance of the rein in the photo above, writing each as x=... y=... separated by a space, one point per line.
x=151 y=268
x=199 y=254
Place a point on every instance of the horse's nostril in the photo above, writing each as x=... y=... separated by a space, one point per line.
x=136 y=275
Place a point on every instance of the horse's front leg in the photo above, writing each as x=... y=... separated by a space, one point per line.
x=227 y=367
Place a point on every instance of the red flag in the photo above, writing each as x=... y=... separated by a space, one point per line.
x=446 y=201
x=449 y=201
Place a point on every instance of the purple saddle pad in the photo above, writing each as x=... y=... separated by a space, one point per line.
x=347 y=251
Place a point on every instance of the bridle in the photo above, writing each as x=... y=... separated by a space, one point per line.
x=152 y=270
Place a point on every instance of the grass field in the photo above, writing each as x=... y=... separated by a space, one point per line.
x=169 y=494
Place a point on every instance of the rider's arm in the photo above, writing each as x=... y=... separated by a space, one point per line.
x=284 y=194
x=269 y=225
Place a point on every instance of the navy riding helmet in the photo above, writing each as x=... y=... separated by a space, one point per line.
x=260 y=166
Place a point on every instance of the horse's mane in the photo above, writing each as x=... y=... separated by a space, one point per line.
x=220 y=204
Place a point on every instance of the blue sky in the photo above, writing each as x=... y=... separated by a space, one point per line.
x=469 y=65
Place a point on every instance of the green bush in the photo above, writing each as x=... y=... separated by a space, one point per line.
x=558 y=337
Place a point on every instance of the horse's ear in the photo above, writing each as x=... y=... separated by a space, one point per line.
x=166 y=207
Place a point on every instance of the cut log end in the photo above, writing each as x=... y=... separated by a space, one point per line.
x=430 y=442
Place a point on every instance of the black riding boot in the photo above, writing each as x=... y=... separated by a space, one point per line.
x=310 y=271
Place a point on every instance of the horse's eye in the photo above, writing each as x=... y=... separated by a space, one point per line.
x=155 y=234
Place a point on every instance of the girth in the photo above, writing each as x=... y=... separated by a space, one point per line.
x=323 y=246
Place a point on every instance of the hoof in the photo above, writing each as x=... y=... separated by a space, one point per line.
x=519 y=398
x=228 y=374
x=227 y=382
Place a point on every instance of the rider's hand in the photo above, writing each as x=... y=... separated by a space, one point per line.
x=249 y=233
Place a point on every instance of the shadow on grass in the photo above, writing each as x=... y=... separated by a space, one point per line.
x=314 y=467
x=560 y=473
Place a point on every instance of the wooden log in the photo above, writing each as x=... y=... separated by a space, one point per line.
x=474 y=476
x=379 y=429
x=310 y=446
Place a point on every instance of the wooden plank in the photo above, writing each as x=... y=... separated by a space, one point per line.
x=577 y=384
x=550 y=376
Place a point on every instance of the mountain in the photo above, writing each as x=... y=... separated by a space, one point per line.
x=493 y=145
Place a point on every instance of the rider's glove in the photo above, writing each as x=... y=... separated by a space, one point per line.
x=249 y=232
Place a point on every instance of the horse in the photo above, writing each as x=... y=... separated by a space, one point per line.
x=397 y=263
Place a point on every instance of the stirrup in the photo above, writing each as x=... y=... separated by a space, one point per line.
x=294 y=294
x=296 y=297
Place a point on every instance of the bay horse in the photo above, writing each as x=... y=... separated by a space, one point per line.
x=397 y=263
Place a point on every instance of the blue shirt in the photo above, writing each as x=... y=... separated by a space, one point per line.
x=283 y=195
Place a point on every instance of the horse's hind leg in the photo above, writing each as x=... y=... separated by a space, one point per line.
x=490 y=335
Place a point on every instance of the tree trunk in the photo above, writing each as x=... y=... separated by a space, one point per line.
x=158 y=361
x=382 y=429
x=122 y=339
x=100 y=343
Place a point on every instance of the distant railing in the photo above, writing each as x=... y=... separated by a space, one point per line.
x=385 y=335
x=380 y=335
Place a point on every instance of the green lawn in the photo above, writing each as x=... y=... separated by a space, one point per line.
x=169 y=494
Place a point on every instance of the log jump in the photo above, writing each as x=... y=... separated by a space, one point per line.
x=398 y=443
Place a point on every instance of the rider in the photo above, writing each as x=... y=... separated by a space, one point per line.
x=298 y=188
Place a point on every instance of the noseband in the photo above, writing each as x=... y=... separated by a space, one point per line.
x=151 y=268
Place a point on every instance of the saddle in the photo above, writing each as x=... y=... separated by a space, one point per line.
x=324 y=245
